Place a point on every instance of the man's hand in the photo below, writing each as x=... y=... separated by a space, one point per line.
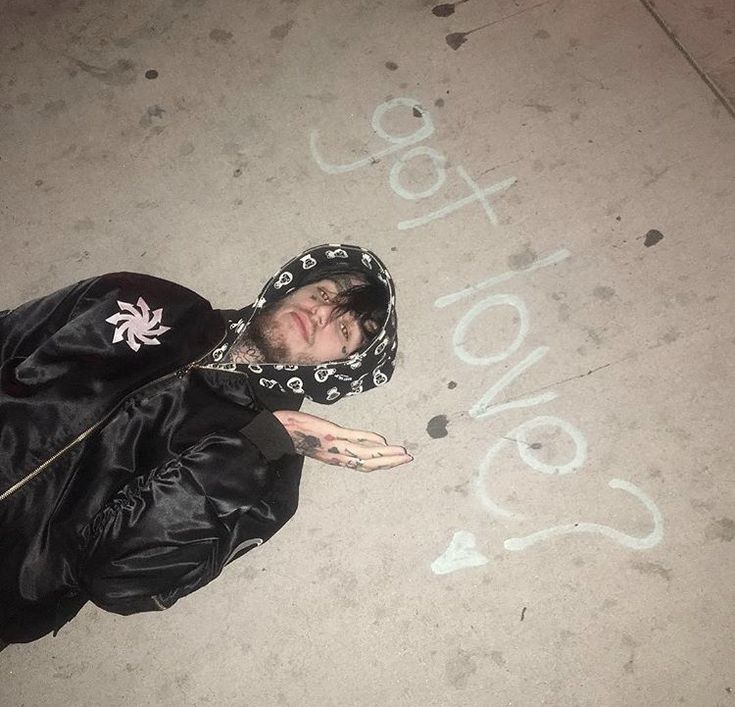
x=329 y=443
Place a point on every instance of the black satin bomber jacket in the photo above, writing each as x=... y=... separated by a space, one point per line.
x=129 y=477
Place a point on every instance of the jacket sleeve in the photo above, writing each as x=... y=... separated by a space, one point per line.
x=90 y=303
x=26 y=327
x=171 y=531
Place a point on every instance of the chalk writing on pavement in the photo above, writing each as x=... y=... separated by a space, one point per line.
x=461 y=551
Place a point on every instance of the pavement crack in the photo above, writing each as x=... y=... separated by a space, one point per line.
x=590 y=372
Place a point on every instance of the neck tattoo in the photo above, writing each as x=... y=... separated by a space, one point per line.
x=245 y=351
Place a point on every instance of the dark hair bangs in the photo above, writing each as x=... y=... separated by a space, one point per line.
x=367 y=302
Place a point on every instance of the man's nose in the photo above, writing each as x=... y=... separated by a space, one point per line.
x=322 y=314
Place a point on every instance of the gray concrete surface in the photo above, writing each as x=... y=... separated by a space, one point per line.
x=478 y=575
x=706 y=34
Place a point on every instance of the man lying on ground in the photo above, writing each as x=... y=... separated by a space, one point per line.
x=147 y=440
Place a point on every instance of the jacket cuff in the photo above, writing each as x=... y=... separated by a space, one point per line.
x=269 y=436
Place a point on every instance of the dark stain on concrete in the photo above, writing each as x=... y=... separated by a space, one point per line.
x=722 y=530
x=439 y=103
x=280 y=31
x=444 y=10
x=151 y=112
x=653 y=237
x=459 y=669
x=462 y=489
x=593 y=336
x=221 y=36
x=456 y=39
x=540 y=107
x=541 y=34
x=603 y=292
x=671 y=336
x=121 y=73
x=53 y=108
x=437 y=427
x=151 y=74
x=391 y=65
x=451 y=385
x=498 y=658
x=523 y=259
x=652 y=568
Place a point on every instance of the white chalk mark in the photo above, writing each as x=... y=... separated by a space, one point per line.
x=484 y=408
x=426 y=129
x=480 y=482
x=629 y=541
x=399 y=141
x=525 y=448
x=461 y=553
x=478 y=194
x=330 y=168
x=552 y=259
x=439 y=161
x=519 y=436
x=460 y=331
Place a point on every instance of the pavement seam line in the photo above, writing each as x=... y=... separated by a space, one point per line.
x=692 y=61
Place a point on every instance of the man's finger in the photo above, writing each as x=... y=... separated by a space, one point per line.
x=366 y=452
x=369 y=465
x=363 y=451
x=362 y=437
x=361 y=464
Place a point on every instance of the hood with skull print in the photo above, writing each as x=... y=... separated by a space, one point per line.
x=325 y=383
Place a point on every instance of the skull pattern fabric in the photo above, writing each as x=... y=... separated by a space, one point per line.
x=370 y=367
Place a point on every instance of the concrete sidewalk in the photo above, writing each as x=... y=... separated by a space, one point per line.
x=552 y=186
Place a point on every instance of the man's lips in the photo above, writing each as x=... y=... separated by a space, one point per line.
x=303 y=325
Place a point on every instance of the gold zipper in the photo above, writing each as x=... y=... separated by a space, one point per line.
x=180 y=373
x=37 y=471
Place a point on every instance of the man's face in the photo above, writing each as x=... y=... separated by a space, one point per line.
x=302 y=327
